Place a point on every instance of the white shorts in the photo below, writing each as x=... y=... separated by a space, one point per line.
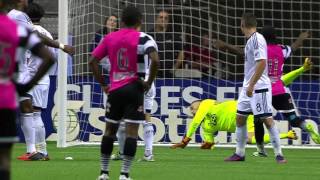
x=148 y=99
x=260 y=104
x=40 y=95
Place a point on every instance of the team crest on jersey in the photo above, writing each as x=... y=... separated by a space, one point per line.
x=290 y=100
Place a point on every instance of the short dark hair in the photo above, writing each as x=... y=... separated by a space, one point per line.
x=131 y=16
x=35 y=12
x=270 y=34
x=249 y=20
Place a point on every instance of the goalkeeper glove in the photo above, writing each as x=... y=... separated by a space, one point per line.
x=182 y=144
x=207 y=145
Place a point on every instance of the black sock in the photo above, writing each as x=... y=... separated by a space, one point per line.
x=258 y=131
x=106 y=150
x=4 y=174
x=125 y=174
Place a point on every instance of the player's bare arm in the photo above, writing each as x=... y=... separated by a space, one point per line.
x=260 y=66
x=153 y=69
x=55 y=44
x=94 y=66
x=48 y=60
x=299 y=42
x=219 y=44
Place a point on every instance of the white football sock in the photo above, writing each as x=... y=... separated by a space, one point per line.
x=241 y=133
x=148 y=133
x=275 y=140
x=40 y=139
x=28 y=131
x=121 y=135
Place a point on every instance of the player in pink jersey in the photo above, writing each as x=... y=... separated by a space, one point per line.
x=126 y=49
x=281 y=99
x=13 y=37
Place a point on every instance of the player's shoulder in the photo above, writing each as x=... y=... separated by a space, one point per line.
x=145 y=37
x=19 y=16
x=42 y=30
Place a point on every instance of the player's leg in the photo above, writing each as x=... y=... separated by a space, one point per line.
x=243 y=110
x=121 y=137
x=133 y=116
x=148 y=135
x=148 y=130
x=26 y=119
x=262 y=108
x=8 y=136
x=114 y=113
x=39 y=102
x=286 y=105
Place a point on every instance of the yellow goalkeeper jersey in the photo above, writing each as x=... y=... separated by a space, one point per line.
x=215 y=117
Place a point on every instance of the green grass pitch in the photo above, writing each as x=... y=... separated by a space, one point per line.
x=179 y=164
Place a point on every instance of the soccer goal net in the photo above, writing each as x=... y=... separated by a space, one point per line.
x=192 y=66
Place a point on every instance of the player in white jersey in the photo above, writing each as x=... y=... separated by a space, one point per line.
x=40 y=92
x=26 y=108
x=148 y=129
x=255 y=96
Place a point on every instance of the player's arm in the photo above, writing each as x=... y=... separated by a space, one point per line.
x=151 y=49
x=99 y=53
x=291 y=76
x=153 y=54
x=225 y=46
x=38 y=49
x=195 y=123
x=180 y=59
x=260 y=57
x=260 y=66
x=55 y=44
x=299 y=42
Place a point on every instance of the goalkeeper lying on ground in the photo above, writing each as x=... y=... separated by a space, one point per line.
x=216 y=116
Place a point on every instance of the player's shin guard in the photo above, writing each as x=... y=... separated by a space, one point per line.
x=275 y=140
x=40 y=134
x=121 y=135
x=106 y=150
x=28 y=131
x=4 y=174
x=130 y=148
x=148 y=133
x=241 y=133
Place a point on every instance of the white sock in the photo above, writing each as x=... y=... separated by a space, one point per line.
x=40 y=139
x=275 y=140
x=241 y=133
x=148 y=133
x=28 y=131
x=121 y=135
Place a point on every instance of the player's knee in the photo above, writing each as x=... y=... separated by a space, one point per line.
x=130 y=147
x=107 y=144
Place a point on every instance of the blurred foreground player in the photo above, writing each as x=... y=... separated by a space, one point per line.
x=125 y=49
x=13 y=37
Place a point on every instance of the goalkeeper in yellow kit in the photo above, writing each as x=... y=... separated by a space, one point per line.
x=214 y=116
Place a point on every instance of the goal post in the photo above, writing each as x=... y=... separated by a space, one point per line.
x=62 y=74
x=207 y=72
